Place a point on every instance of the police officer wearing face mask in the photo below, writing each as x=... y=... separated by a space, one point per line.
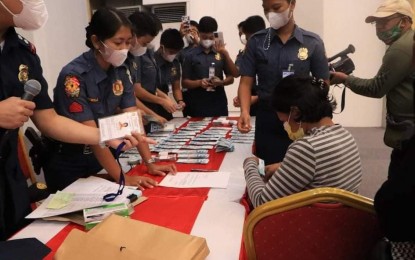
x=143 y=66
x=393 y=21
x=19 y=63
x=171 y=42
x=203 y=70
x=271 y=54
x=94 y=85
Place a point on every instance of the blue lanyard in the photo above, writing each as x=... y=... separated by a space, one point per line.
x=111 y=196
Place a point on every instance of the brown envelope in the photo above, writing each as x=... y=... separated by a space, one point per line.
x=146 y=241
x=79 y=245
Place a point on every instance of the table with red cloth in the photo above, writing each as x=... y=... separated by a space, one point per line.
x=215 y=214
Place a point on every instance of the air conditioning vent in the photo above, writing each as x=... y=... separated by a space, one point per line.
x=169 y=13
x=128 y=10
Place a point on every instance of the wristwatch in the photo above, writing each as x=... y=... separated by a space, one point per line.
x=150 y=161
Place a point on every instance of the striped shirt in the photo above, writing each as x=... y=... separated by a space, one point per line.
x=327 y=157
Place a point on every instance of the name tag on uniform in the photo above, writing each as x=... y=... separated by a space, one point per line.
x=286 y=73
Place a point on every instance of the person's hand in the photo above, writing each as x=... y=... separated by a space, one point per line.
x=194 y=34
x=236 y=102
x=270 y=170
x=161 y=170
x=220 y=47
x=182 y=104
x=130 y=141
x=14 y=112
x=244 y=123
x=184 y=29
x=205 y=83
x=250 y=158
x=169 y=105
x=337 y=78
x=216 y=81
x=141 y=182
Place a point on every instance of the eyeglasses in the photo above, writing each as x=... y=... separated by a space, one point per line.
x=111 y=196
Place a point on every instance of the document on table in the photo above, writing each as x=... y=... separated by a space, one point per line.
x=85 y=193
x=196 y=180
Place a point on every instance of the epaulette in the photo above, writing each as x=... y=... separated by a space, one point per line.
x=261 y=32
x=28 y=45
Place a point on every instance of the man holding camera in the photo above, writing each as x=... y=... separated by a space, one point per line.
x=393 y=20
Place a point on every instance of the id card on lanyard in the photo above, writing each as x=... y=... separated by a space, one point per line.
x=289 y=71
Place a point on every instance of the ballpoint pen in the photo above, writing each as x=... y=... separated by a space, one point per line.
x=203 y=170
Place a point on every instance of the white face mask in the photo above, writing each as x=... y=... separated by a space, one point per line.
x=115 y=57
x=33 y=15
x=189 y=39
x=168 y=57
x=138 y=50
x=207 y=43
x=278 y=20
x=243 y=39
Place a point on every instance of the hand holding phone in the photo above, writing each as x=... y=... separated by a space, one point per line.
x=219 y=37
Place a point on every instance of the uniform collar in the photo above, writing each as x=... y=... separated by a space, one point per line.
x=10 y=39
x=297 y=34
x=159 y=58
x=92 y=63
x=199 y=49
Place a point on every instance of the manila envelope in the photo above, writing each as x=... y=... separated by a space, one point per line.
x=145 y=241
x=79 y=245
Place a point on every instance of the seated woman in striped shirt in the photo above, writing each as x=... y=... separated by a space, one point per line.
x=323 y=153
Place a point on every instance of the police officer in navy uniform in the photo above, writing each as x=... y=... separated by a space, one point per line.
x=247 y=28
x=92 y=86
x=146 y=74
x=18 y=64
x=272 y=54
x=206 y=97
x=171 y=43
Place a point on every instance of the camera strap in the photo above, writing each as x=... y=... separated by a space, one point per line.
x=343 y=98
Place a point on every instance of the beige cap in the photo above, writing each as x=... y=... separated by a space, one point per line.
x=390 y=7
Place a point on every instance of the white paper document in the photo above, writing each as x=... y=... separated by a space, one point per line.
x=118 y=126
x=196 y=180
x=87 y=193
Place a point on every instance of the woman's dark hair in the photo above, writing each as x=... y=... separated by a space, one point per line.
x=172 y=39
x=253 y=24
x=208 y=24
x=308 y=94
x=105 y=23
x=145 y=23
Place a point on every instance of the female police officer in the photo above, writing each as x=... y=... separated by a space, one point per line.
x=92 y=86
x=18 y=64
x=271 y=54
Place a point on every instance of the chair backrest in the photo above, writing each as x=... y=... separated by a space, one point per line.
x=24 y=159
x=322 y=223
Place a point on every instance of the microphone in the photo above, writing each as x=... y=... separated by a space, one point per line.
x=32 y=87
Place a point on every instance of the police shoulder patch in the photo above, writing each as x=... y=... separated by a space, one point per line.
x=72 y=86
x=26 y=44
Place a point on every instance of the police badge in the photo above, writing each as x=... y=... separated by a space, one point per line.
x=23 y=75
x=217 y=56
x=303 y=53
x=118 y=87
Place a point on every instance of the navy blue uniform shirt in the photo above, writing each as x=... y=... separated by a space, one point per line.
x=267 y=57
x=85 y=91
x=170 y=72
x=202 y=103
x=18 y=63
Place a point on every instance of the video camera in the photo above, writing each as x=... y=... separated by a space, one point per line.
x=345 y=64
